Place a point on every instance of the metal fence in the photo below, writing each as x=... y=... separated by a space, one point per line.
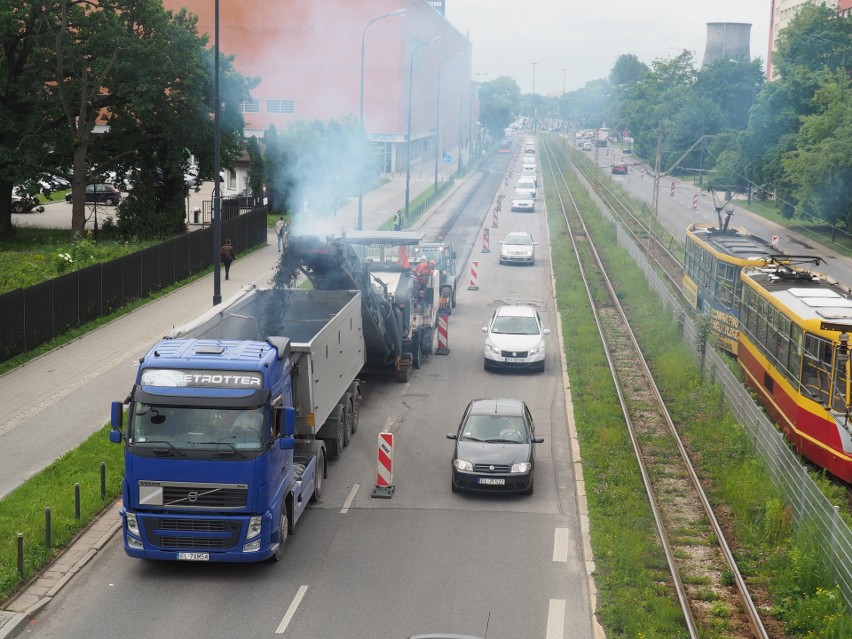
x=810 y=508
x=29 y=317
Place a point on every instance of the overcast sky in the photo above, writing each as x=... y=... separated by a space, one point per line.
x=585 y=37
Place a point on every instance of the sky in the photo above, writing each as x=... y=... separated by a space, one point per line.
x=585 y=37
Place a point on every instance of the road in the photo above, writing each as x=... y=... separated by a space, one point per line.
x=425 y=560
x=675 y=212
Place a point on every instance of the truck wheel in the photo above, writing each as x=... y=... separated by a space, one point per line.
x=283 y=529
x=356 y=400
x=347 y=426
x=417 y=355
x=318 y=478
x=331 y=447
x=454 y=298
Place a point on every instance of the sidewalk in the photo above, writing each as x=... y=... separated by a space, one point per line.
x=94 y=368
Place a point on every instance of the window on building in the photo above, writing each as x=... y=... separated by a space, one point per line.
x=250 y=106
x=280 y=106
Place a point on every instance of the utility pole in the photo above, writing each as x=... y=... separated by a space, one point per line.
x=655 y=197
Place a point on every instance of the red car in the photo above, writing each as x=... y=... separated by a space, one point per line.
x=619 y=169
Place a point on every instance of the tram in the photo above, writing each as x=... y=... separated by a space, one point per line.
x=714 y=257
x=793 y=348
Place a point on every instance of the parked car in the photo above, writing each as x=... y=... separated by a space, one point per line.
x=514 y=339
x=100 y=194
x=627 y=151
x=21 y=204
x=517 y=247
x=495 y=447
x=619 y=169
x=587 y=146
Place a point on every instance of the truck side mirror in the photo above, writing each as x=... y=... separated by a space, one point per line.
x=117 y=421
x=287 y=424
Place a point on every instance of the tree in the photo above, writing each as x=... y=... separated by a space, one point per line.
x=498 y=102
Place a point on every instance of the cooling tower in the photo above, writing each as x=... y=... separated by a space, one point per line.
x=726 y=40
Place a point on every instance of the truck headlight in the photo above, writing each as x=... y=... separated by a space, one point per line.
x=523 y=467
x=132 y=524
x=252 y=547
x=461 y=464
x=254 y=527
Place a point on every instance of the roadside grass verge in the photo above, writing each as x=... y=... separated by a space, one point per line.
x=23 y=510
x=779 y=563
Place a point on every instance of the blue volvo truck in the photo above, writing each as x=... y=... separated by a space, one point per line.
x=230 y=423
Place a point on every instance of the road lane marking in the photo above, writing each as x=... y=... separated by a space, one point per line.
x=292 y=610
x=350 y=498
x=389 y=424
x=556 y=619
x=560 y=544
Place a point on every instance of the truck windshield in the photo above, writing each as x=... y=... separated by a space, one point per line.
x=193 y=428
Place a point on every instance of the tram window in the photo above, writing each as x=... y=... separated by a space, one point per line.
x=816 y=368
x=760 y=329
x=784 y=348
x=772 y=329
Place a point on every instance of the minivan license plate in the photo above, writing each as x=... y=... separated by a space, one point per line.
x=492 y=481
x=194 y=556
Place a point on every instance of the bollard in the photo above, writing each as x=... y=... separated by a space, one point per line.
x=77 y=500
x=47 y=531
x=494 y=223
x=474 y=267
x=486 y=240
x=642 y=173
x=695 y=202
x=384 y=475
x=103 y=481
x=21 y=555
x=443 y=341
x=671 y=191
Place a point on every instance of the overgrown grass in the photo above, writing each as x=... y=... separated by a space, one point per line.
x=629 y=570
x=23 y=511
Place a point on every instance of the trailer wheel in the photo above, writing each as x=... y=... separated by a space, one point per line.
x=356 y=401
x=283 y=530
x=417 y=353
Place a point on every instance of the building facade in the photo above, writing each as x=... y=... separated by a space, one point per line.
x=780 y=15
x=308 y=57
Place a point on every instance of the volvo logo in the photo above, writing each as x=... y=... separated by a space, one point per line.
x=192 y=496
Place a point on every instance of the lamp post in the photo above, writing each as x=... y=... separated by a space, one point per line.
x=217 y=161
x=461 y=115
x=535 y=124
x=408 y=134
x=398 y=12
x=438 y=116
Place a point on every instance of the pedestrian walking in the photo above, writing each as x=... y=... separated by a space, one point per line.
x=279 y=232
x=227 y=255
x=397 y=220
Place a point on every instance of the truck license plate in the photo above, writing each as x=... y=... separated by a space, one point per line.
x=194 y=556
x=492 y=481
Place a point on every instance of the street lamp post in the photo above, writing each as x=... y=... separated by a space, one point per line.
x=408 y=134
x=398 y=12
x=461 y=115
x=438 y=116
x=217 y=161
x=535 y=124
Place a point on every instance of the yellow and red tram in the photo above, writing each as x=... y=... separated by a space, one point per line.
x=794 y=330
x=714 y=256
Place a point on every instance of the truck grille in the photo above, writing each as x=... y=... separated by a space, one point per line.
x=192 y=542
x=205 y=525
x=195 y=534
x=201 y=497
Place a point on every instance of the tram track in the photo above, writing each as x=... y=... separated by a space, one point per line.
x=704 y=573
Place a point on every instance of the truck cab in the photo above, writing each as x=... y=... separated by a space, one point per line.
x=445 y=262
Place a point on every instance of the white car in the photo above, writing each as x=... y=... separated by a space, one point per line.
x=530 y=173
x=517 y=247
x=526 y=184
x=523 y=201
x=514 y=338
x=587 y=146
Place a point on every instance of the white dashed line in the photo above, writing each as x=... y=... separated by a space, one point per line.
x=556 y=619
x=560 y=544
x=292 y=611
x=350 y=498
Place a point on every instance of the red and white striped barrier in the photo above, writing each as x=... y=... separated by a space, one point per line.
x=672 y=190
x=642 y=172
x=695 y=202
x=443 y=341
x=384 y=476
x=474 y=268
x=775 y=242
x=494 y=214
x=486 y=240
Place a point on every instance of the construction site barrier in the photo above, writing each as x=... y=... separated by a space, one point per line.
x=384 y=476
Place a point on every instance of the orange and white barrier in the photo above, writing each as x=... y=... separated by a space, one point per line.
x=443 y=340
x=474 y=268
x=384 y=476
x=486 y=240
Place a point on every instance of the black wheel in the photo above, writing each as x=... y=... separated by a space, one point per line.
x=283 y=530
x=485 y=365
x=417 y=355
x=341 y=434
x=347 y=427
x=17 y=207
x=454 y=298
x=453 y=486
x=319 y=478
x=354 y=408
x=109 y=201
x=540 y=367
x=529 y=491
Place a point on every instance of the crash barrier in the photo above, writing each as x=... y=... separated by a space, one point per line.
x=384 y=476
x=695 y=202
x=486 y=240
x=474 y=267
x=443 y=340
